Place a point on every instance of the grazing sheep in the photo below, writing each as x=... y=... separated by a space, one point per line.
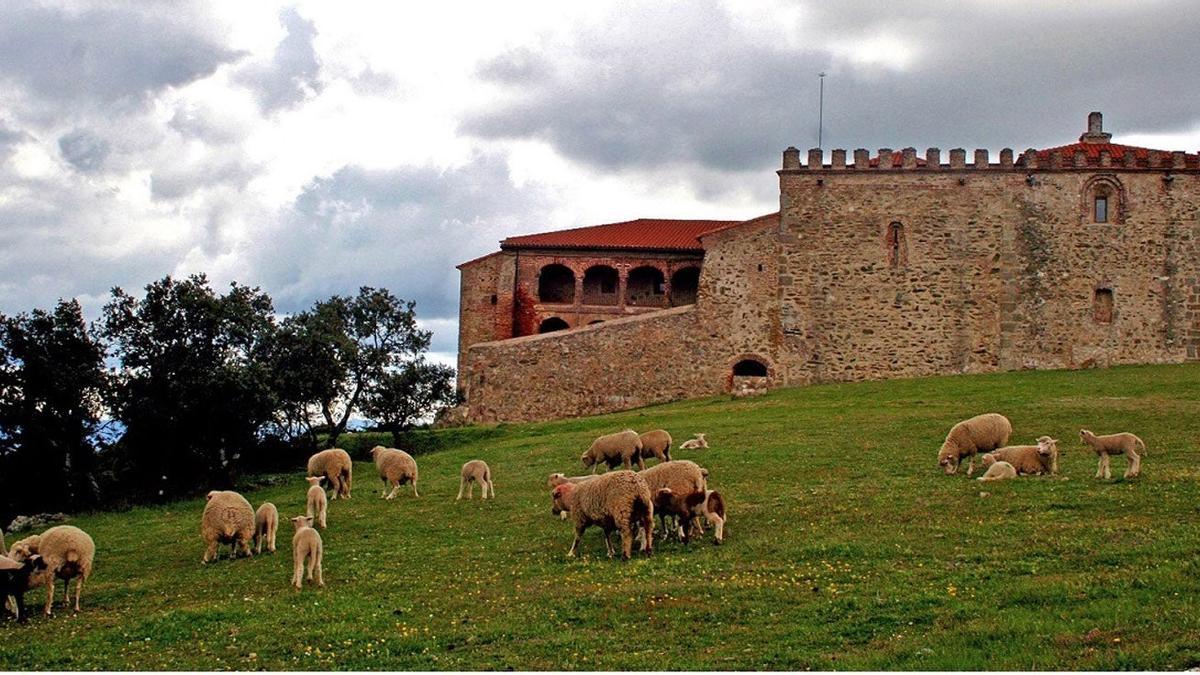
x=670 y=503
x=712 y=507
x=1115 y=444
x=68 y=553
x=475 y=471
x=979 y=434
x=683 y=476
x=316 y=506
x=228 y=519
x=562 y=497
x=697 y=443
x=396 y=467
x=1031 y=460
x=656 y=444
x=15 y=580
x=557 y=479
x=997 y=470
x=266 y=522
x=623 y=447
x=618 y=500
x=306 y=544
x=335 y=465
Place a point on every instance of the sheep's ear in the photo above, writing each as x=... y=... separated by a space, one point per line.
x=210 y=495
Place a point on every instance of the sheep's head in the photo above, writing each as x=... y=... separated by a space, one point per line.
x=664 y=499
x=314 y=480
x=555 y=480
x=376 y=450
x=948 y=460
x=988 y=460
x=302 y=522
x=25 y=548
x=1086 y=436
x=561 y=498
x=1047 y=447
x=210 y=495
x=587 y=459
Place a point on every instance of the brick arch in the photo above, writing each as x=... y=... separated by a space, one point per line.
x=552 y=324
x=556 y=284
x=1103 y=185
x=645 y=286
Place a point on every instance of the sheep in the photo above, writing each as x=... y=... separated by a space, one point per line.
x=1030 y=460
x=697 y=443
x=683 y=476
x=976 y=435
x=396 y=467
x=306 y=544
x=15 y=580
x=617 y=500
x=315 y=504
x=475 y=471
x=712 y=507
x=266 y=522
x=656 y=444
x=561 y=497
x=68 y=553
x=997 y=470
x=670 y=503
x=1115 y=444
x=228 y=519
x=335 y=465
x=557 y=479
x=623 y=447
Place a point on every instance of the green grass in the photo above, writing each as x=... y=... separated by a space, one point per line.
x=846 y=549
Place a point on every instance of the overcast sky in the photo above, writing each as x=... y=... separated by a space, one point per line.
x=310 y=148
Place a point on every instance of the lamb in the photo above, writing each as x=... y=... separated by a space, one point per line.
x=656 y=444
x=307 y=545
x=623 y=447
x=712 y=507
x=697 y=443
x=668 y=503
x=617 y=500
x=1115 y=444
x=557 y=479
x=682 y=476
x=266 y=522
x=1031 y=460
x=15 y=580
x=335 y=465
x=997 y=470
x=228 y=519
x=396 y=467
x=561 y=497
x=475 y=471
x=316 y=506
x=979 y=434
x=68 y=553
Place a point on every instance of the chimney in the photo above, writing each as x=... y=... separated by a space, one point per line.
x=1095 y=131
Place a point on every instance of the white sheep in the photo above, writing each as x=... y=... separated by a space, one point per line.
x=656 y=444
x=307 y=545
x=1115 y=444
x=475 y=471
x=997 y=470
x=617 y=500
x=266 y=523
x=697 y=443
x=228 y=519
x=337 y=468
x=557 y=479
x=68 y=552
x=622 y=448
x=1030 y=460
x=316 y=506
x=979 y=434
x=682 y=476
x=396 y=467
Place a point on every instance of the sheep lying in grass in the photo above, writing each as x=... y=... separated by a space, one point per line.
x=697 y=443
x=979 y=434
x=307 y=545
x=475 y=471
x=228 y=519
x=396 y=467
x=316 y=506
x=1031 y=460
x=68 y=553
x=336 y=467
x=266 y=522
x=15 y=580
x=656 y=444
x=1115 y=444
x=681 y=475
x=557 y=479
x=618 y=500
x=622 y=448
x=997 y=470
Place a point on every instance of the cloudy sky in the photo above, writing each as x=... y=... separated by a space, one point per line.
x=310 y=148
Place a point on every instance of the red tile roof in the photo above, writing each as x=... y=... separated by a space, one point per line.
x=653 y=234
x=1116 y=152
x=897 y=161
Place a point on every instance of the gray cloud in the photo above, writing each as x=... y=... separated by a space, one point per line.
x=9 y=139
x=84 y=150
x=102 y=54
x=291 y=76
x=660 y=87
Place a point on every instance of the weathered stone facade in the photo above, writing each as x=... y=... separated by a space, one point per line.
x=1087 y=255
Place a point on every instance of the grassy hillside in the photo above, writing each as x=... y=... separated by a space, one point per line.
x=846 y=549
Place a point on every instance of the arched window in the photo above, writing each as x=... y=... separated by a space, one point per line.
x=897 y=247
x=552 y=324
x=684 y=284
x=1103 y=200
x=645 y=287
x=556 y=283
x=749 y=368
x=600 y=285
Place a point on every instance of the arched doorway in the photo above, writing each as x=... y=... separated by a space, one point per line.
x=600 y=283
x=556 y=284
x=552 y=324
x=646 y=287
x=749 y=368
x=684 y=284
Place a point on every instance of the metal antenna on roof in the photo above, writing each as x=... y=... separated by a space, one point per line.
x=821 y=110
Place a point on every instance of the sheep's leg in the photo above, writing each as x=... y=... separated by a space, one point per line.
x=78 y=591
x=414 y=482
x=492 y=488
x=461 y=483
x=324 y=514
x=271 y=543
x=1135 y=464
x=971 y=465
x=470 y=489
x=575 y=544
x=66 y=592
x=312 y=563
x=297 y=575
x=1100 y=466
x=49 y=596
x=718 y=524
x=608 y=542
x=320 y=556
x=647 y=522
x=1107 y=466
x=626 y=542
x=210 y=553
x=383 y=495
x=395 y=489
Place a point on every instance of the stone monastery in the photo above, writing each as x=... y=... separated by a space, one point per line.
x=897 y=265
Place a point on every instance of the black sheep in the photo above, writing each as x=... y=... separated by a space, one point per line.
x=14 y=581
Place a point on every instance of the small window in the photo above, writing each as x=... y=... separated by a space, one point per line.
x=1101 y=212
x=494 y=298
x=1102 y=306
x=896 y=253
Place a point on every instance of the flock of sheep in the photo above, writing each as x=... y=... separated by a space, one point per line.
x=987 y=435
